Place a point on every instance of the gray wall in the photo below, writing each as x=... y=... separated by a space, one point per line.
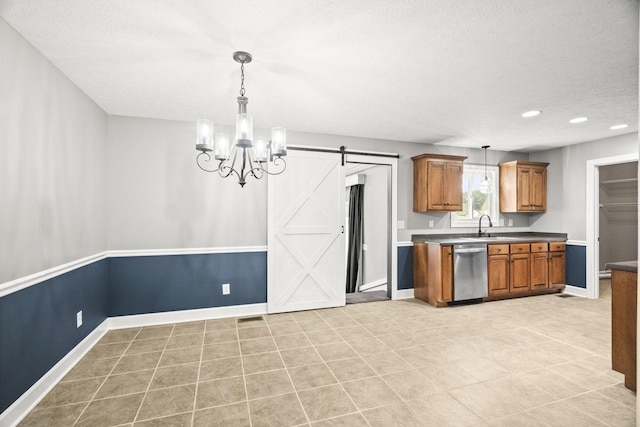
x=375 y=223
x=566 y=189
x=159 y=199
x=52 y=164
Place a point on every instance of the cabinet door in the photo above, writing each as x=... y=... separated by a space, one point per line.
x=524 y=189
x=538 y=193
x=453 y=186
x=520 y=273
x=539 y=269
x=436 y=175
x=557 y=269
x=498 y=271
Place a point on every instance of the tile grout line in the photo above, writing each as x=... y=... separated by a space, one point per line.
x=195 y=395
x=146 y=393
x=107 y=376
x=293 y=386
x=244 y=377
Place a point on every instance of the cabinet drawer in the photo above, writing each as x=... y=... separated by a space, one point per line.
x=519 y=248
x=498 y=249
x=557 y=246
x=539 y=247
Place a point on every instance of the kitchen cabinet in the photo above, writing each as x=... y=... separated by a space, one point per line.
x=520 y=268
x=624 y=324
x=539 y=266
x=523 y=186
x=525 y=268
x=557 y=260
x=498 y=269
x=433 y=273
x=437 y=183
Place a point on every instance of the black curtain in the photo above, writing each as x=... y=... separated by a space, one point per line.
x=355 y=236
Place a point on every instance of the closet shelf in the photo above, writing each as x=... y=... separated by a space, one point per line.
x=619 y=181
x=618 y=205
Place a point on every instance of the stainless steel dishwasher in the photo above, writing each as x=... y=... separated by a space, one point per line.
x=469 y=271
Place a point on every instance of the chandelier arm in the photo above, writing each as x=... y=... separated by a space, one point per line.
x=226 y=170
x=277 y=162
x=207 y=158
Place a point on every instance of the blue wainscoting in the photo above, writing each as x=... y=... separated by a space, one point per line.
x=38 y=325
x=153 y=284
x=576 y=266
x=405 y=267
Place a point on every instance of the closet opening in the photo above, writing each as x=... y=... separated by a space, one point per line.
x=368 y=222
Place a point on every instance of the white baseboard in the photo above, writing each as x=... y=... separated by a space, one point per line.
x=374 y=284
x=574 y=290
x=137 y=320
x=25 y=403
x=404 y=294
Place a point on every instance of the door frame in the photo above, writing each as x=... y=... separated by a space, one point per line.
x=392 y=212
x=593 y=217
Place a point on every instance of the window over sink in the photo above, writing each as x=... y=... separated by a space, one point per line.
x=475 y=202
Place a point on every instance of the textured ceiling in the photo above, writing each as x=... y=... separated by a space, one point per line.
x=439 y=71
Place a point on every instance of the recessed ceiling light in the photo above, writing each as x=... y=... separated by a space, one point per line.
x=531 y=113
x=579 y=120
x=620 y=126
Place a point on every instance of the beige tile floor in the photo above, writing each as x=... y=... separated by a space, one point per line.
x=538 y=361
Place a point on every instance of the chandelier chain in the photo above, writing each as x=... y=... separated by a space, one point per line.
x=242 y=79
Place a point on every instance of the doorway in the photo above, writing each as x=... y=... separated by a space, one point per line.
x=367 y=223
x=380 y=234
x=608 y=206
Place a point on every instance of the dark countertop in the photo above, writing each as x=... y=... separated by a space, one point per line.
x=631 y=266
x=490 y=238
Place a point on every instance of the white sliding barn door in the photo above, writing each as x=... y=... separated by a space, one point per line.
x=306 y=240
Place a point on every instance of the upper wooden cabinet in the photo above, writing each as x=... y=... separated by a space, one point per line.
x=437 y=183
x=523 y=186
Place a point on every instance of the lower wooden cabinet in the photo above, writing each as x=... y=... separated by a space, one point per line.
x=557 y=260
x=539 y=266
x=519 y=268
x=433 y=273
x=498 y=271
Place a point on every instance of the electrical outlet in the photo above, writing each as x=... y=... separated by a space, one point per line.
x=79 y=319
x=400 y=225
x=430 y=223
x=364 y=247
x=226 y=289
x=510 y=222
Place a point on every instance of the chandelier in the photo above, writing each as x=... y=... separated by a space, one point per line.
x=248 y=156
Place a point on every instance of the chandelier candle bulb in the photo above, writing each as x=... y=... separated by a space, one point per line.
x=278 y=141
x=204 y=139
x=244 y=130
x=260 y=149
x=222 y=146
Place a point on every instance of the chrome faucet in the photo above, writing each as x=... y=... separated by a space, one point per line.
x=480 y=232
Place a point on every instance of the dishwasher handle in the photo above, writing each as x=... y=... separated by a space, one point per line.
x=470 y=250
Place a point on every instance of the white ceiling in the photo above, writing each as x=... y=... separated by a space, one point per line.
x=452 y=72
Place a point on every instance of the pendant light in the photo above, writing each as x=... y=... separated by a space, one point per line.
x=485 y=184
